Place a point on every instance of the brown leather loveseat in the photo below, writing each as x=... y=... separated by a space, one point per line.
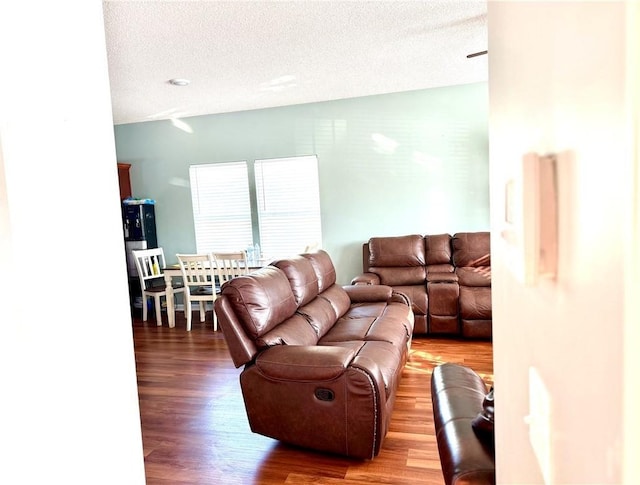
x=322 y=363
x=447 y=278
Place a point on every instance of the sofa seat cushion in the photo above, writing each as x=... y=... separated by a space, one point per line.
x=480 y=276
x=366 y=329
x=355 y=329
x=476 y=328
x=370 y=310
x=475 y=303
x=379 y=322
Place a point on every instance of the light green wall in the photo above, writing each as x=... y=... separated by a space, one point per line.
x=405 y=163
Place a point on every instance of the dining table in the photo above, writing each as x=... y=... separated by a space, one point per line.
x=172 y=271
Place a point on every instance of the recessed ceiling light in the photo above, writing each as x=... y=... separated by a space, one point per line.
x=179 y=82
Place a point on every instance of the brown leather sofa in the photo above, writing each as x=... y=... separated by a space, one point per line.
x=467 y=457
x=322 y=362
x=447 y=278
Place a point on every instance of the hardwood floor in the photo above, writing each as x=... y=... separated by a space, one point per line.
x=195 y=430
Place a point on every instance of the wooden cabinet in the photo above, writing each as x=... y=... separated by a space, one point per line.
x=125 y=180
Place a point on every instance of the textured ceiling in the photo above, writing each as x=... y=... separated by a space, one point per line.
x=242 y=55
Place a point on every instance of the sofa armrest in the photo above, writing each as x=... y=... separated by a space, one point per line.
x=304 y=363
x=399 y=297
x=457 y=394
x=366 y=279
x=368 y=293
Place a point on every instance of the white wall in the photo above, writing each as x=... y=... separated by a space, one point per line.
x=430 y=174
x=69 y=401
x=557 y=80
x=631 y=418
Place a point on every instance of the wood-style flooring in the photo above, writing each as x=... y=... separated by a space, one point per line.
x=195 y=430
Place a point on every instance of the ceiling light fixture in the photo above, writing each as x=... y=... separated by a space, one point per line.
x=279 y=84
x=179 y=82
x=181 y=125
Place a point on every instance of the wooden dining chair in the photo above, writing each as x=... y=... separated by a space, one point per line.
x=198 y=276
x=150 y=264
x=230 y=265
x=226 y=266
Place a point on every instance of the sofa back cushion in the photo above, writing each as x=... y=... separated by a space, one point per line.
x=323 y=312
x=261 y=300
x=320 y=315
x=397 y=251
x=438 y=249
x=338 y=298
x=323 y=267
x=302 y=278
x=398 y=260
x=471 y=249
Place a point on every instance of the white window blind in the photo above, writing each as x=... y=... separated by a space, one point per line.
x=221 y=206
x=288 y=197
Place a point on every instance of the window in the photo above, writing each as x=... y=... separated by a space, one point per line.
x=288 y=204
x=221 y=206
x=285 y=210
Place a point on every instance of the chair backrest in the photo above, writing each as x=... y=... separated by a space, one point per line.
x=230 y=265
x=398 y=260
x=150 y=264
x=197 y=269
